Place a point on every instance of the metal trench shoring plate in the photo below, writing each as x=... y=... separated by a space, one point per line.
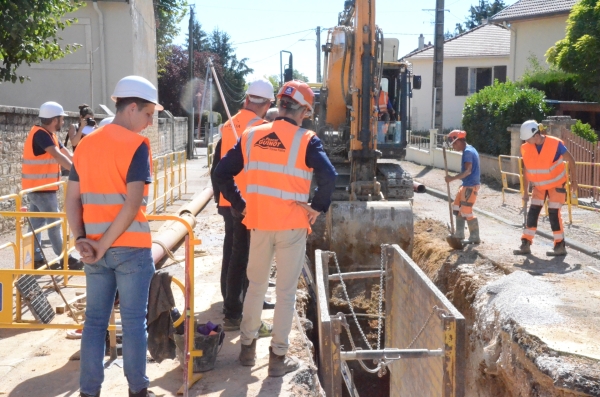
x=355 y=230
x=35 y=299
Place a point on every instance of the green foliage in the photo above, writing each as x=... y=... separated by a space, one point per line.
x=299 y=76
x=489 y=112
x=168 y=14
x=199 y=37
x=579 y=51
x=555 y=83
x=28 y=33
x=585 y=131
x=484 y=10
x=216 y=118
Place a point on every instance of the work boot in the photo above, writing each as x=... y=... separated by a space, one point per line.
x=524 y=249
x=248 y=354
x=75 y=264
x=231 y=324
x=81 y=394
x=142 y=393
x=265 y=330
x=473 y=232
x=281 y=365
x=459 y=233
x=559 y=249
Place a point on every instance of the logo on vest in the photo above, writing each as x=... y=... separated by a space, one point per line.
x=271 y=142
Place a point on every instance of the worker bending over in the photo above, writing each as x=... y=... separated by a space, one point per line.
x=467 y=194
x=236 y=243
x=278 y=159
x=106 y=205
x=544 y=157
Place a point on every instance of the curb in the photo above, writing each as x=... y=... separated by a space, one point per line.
x=569 y=242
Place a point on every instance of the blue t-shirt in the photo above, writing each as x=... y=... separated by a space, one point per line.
x=470 y=155
x=559 y=151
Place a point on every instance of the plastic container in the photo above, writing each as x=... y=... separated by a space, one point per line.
x=209 y=344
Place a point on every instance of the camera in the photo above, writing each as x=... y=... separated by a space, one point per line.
x=90 y=121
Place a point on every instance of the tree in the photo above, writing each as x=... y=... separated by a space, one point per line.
x=299 y=76
x=28 y=33
x=168 y=14
x=579 y=51
x=484 y=10
x=199 y=37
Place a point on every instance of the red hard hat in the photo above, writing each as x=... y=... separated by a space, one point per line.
x=299 y=91
x=456 y=134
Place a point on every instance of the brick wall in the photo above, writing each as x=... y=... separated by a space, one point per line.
x=166 y=135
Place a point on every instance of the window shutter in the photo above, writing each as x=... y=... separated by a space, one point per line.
x=461 y=87
x=500 y=73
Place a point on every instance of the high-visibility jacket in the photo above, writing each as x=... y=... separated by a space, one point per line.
x=241 y=121
x=39 y=170
x=276 y=176
x=383 y=101
x=542 y=171
x=102 y=161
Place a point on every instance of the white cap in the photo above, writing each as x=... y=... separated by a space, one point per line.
x=105 y=121
x=49 y=110
x=528 y=129
x=261 y=88
x=136 y=87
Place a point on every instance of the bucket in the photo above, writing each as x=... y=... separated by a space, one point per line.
x=209 y=344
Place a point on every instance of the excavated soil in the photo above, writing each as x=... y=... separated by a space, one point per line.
x=502 y=358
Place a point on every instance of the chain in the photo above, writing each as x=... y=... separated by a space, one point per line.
x=435 y=308
x=337 y=265
x=379 y=321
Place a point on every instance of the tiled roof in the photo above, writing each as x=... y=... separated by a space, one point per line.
x=525 y=9
x=481 y=41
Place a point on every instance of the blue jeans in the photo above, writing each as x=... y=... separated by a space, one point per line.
x=45 y=202
x=129 y=270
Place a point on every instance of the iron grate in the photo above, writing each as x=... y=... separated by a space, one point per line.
x=34 y=298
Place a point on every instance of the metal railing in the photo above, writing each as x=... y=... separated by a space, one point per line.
x=169 y=175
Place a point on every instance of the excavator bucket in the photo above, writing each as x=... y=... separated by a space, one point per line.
x=355 y=230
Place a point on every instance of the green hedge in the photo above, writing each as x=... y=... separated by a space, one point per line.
x=556 y=84
x=488 y=113
x=216 y=118
x=585 y=131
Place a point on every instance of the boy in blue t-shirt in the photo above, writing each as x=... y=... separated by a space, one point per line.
x=467 y=194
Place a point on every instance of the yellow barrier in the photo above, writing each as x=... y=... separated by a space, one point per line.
x=591 y=172
x=174 y=166
x=505 y=173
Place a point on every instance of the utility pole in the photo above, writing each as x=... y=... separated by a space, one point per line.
x=438 y=67
x=318 y=54
x=190 y=153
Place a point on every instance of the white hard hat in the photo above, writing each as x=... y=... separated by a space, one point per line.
x=262 y=88
x=49 y=110
x=137 y=87
x=106 y=121
x=528 y=129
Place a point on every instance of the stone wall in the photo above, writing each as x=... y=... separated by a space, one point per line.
x=166 y=135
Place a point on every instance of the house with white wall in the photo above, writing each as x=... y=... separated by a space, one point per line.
x=117 y=38
x=534 y=26
x=472 y=61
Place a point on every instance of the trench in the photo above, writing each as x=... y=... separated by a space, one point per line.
x=502 y=359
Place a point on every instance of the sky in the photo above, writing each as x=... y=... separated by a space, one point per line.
x=259 y=30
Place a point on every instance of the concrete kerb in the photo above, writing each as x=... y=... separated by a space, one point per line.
x=569 y=242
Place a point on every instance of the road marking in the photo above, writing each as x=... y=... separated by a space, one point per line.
x=594 y=269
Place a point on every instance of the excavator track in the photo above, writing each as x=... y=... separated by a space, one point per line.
x=396 y=184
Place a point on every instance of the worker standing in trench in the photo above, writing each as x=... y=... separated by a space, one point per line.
x=278 y=159
x=236 y=243
x=467 y=194
x=106 y=205
x=544 y=156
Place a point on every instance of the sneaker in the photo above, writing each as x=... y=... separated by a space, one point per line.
x=75 y=264
x=231 y=324
x=265 y=330
x=281 y=365
x=74 y=334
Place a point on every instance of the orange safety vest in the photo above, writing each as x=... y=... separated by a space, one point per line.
x=102 y=161
x=383 y=101
x=542 y=170
x=39 y=170
x=244 y=119
x=276 y=176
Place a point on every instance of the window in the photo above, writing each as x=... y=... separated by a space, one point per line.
x=471 y=80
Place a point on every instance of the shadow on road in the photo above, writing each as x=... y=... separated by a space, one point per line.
x=540 y=266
